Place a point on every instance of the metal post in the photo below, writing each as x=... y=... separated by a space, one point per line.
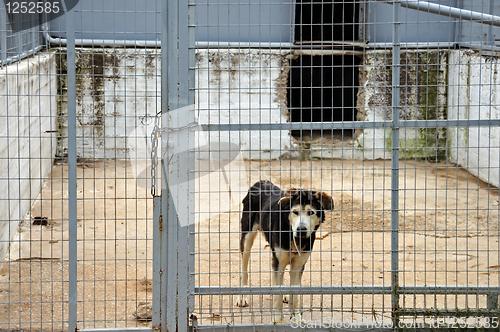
x=72 y=202
x=176 y=81
x=396 y=62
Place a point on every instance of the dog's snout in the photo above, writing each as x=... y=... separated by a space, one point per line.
x=302 y=231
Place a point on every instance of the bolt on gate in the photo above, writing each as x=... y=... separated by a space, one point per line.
x=148 y=124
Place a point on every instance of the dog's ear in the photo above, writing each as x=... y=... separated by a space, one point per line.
x=325 y=200
x=284 y=201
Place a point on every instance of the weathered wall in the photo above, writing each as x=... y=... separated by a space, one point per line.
x=28 y=112
x=474 y=95
x=117 y=88
x=423 y=96
x=245 y=86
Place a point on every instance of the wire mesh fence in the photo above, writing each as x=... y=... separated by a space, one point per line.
x=377 y=123
x=20 y=37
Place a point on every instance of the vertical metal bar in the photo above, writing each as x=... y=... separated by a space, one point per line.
x=175 y=95
x=72 y=176
x=18 y=35
x=164 y=264
x=191 y=97
x=396 y=49
x=157 y=271
x=183 y=84
x=169 y=90
x=3 y=35
x=491 y=36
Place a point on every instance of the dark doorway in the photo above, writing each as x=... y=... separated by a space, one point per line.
x=317 y=20
x=323 y=88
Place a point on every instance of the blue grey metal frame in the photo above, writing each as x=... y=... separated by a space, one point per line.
x=173 y=285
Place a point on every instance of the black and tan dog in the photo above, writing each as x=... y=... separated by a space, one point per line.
x=289 y=220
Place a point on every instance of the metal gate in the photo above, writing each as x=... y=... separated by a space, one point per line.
x=388 y=107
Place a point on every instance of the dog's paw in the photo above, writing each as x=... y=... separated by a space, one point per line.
x=242 y=301
x=285 y=298
x=277 y=319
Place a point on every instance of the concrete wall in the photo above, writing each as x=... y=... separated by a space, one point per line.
x=423 y=95
x=474 y=95
x=28 y=112
x=247 y=86
x=117 y=88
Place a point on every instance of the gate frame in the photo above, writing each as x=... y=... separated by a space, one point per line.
x=173 y=254
x=395 y=290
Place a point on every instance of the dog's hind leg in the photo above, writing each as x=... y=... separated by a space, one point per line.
x=296 y=270
x=247 y=239
x=280 y=262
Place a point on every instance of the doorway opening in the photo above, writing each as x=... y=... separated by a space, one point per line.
x=323 y=89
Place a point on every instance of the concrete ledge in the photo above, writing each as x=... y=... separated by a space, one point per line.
x=28 y=138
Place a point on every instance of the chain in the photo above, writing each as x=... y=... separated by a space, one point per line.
x=189 y=125
x=154 y=147
x=154 y=154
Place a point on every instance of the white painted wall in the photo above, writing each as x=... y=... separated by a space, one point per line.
x=109 y=108
x=28 y=113
x=245 y=86
x=473 y=94
x=233 y=86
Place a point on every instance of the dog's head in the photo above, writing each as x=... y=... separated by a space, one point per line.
x=307 y=210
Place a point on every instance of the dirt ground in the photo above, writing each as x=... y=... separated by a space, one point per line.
x=449 y=236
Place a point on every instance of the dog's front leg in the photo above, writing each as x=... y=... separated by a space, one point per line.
x=277 y=280
x=247 y=240
x=296 y=269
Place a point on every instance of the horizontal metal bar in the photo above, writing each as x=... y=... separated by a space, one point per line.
x=297 y=125
x=101 y=42
x=441 y=289
x=348 y=326
x=125 y=329
x=277 y=45
x=19 y=57
x=321 y=45
x=350 y=125
x=432 y=312
x=448 y=11
x=436 y=45
x=328 y=52
x=448 y=123
x=338 y=290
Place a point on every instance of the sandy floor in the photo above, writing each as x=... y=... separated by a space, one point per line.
x=449 y=221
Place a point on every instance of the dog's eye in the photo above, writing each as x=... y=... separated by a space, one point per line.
x=310 y=212
x=295 y=212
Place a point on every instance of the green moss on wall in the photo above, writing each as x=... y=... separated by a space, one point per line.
x=90 y=77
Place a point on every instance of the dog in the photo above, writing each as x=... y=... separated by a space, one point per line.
x=289 y=220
